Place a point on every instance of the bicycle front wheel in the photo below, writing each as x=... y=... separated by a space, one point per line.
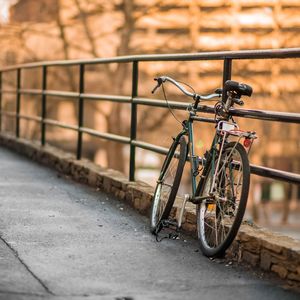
x=224 y=194
x=168 y=184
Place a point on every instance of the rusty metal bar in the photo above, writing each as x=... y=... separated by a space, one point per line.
x=226 y=75
x=44 y=105
x=80 y=111
x=244 y=54
x=18 y=102
x=133 y=123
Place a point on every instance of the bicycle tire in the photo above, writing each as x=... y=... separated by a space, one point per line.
x=215 y=213
x=161 y=207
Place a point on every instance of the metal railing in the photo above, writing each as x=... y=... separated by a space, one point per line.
x=227 y=58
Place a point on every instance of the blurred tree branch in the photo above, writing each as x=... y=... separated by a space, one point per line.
x=65 y=43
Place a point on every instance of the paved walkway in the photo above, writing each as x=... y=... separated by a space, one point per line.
x=62 y=240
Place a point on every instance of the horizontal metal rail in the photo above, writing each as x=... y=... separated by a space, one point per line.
x=257 y=170
x=245 y=54
x=8 y=91
x=265 y=115
x=226 y=56
x=60 y=124
x=14 y=115
x=8 y=113
x=53 y=93
x=151 y=147
x=246 y=113
x=29 y=92
x=106 y=136
x=30 y=118
x=275 y=174
x=112 y=98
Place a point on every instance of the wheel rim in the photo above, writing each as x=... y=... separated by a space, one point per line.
x=218 y=214
x=163 y=190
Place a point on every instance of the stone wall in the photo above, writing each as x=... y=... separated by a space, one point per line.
x=255 y=246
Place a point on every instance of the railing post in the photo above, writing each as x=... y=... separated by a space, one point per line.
x=44 y=106
x=226 y=74
x=133 y=124
x=18 y=100
x=80 y=110
x=0 y=101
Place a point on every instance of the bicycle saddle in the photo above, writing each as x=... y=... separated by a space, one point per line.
x=239 y=88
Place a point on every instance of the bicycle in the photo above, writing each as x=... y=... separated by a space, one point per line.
x=222 y=192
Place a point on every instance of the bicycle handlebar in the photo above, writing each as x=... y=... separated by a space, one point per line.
x=195 y=96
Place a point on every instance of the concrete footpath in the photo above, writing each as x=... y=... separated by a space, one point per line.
x=63 y=240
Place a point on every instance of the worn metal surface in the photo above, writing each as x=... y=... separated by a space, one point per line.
x=219 y=55
x=61 y=240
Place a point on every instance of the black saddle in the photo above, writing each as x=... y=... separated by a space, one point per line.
x=240 y=89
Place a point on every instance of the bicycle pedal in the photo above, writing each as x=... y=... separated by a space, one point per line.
x=168 y=223
x=198 y=199
x=173 y=236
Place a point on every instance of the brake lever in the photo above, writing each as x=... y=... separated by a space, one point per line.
x=156 y=87
x=159 y=82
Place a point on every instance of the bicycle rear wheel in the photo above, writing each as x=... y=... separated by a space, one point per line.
x=168 y=184
x=221 y=211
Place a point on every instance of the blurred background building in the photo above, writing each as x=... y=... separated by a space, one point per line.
x=68 y=29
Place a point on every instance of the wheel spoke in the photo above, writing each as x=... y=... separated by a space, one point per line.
x=217 y=220
x=167 y=185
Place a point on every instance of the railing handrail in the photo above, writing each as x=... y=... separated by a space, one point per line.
x=134 y=100
x=241 y=54
x=266 y=115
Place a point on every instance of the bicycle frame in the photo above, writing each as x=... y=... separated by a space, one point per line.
x=188 y=130
x=195 y=160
